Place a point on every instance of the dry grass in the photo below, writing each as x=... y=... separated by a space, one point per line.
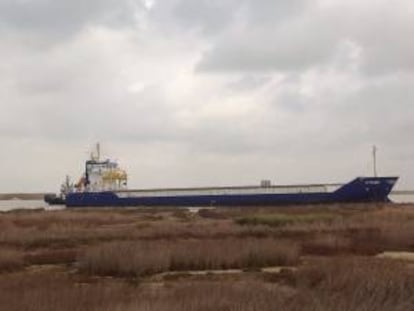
x=86 y=219
x=87 y=244
x=135 y=242
x=144 y=258
x=368 y=231
x=46 y=292
x=51 y=257
x=212 y=214
x=10 y=260
x=327 y=244
x=357 y=284
x=280 y=220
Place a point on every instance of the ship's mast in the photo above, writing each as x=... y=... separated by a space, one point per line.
x=374 y=160
x=96 y=156
x=98 y=151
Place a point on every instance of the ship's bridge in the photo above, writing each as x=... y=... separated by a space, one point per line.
x=104 y=176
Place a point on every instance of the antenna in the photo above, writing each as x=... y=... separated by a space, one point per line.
x=374 y=158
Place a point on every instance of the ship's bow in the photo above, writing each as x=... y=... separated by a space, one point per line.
x=366 y=189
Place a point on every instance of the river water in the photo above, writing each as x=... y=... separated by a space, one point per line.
x=402 y=198
x=8 y=205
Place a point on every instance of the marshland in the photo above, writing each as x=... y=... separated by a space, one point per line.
x=333 y=257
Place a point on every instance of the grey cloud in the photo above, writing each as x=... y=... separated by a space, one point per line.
x=378 y=112
x=58 y=18
x=248 y=83
x=289 y=100
x=294 y=45
x=387 y=47
x=214 y=17
x=312 y=36
x=381 y=111
x=136 y=118
x=273 y=12
x=208 y=16
x=381 y=31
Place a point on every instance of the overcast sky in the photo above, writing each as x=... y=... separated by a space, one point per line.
x=206 y=92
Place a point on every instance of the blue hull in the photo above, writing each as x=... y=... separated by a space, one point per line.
x=362 y=189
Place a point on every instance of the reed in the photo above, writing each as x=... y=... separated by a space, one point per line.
x=144 y=258
x=280 y=220
x=358 y=283
x=355 y=283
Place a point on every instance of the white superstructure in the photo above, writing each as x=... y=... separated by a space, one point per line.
x=101 y=175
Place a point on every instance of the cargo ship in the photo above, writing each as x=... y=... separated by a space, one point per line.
x=104 y=184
